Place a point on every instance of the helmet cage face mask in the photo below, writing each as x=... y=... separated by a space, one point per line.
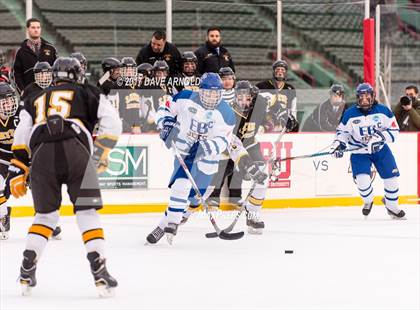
x=365 y=101
x=43 y=78
x=243 y=101
x=128 y=72
x=8 y=105
x=210 y=98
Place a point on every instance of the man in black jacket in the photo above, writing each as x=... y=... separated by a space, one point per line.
x=327 y=115
x=212 y=55
x=33 y=50
x=159 y=49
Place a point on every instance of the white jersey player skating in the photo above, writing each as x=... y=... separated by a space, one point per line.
x=367 y=127
x=201 y=125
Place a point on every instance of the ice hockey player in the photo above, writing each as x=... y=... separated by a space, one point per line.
x=282 y=92
x=83 y=65
x=144 y=71
x=111 y=65
x=245 y=160
x=56 y=128
x=368 y=127
x=43 y=79
x=228 y=78
x=9 y=118
x=200 y=123
x=189 y=78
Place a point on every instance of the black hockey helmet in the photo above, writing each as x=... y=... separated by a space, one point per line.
x=81 y=58
x=145 y=69
x=66 y=69
x=245 y=97
x=160 y=66
x=8 y=100
x=189 y=57
x=110 y=63
x=226 y=71
x=280 y=64
x=43 y=74
x=337 y=89
x=128 y=62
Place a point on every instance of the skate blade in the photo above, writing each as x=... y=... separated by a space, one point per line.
x=4 y=235
x=105 y=292
x=398 y=218
x=25 y=288
x=255 y=231
x=169 y=238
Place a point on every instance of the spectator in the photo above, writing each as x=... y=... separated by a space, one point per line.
x=34 y=49
x=280 y=93
x=407 y=111
x=4 y=69
x=159 y=49
x=212 y=55
x=327 y=115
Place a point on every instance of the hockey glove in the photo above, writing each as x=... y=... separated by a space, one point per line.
x=15 y=183
x=101 y=149
x=376 y=142
x=169 y=131
x=253 y=169
x=337 y=149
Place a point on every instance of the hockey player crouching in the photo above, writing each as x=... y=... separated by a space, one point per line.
x=56 y=129
x=367 y=128
x=200 y=123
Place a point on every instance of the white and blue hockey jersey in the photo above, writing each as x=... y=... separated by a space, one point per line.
x=355 y=127
x=214 y=127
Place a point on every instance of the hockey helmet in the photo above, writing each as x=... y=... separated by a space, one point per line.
x=210 y=90
x=189 y=63
x=280 y=74
x=245 y=97
x=8 y=100
x=43 y=74
x=128 y=67
x=66 y=69
x=365 y=96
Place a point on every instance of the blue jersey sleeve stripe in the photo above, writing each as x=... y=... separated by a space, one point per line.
x=216 y=147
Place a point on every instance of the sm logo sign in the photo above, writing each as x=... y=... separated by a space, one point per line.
x=280 y=171
x=128 y=168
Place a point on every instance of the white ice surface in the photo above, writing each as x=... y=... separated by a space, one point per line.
x=340 y=261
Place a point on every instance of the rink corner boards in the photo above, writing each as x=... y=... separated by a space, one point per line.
x=21 y=211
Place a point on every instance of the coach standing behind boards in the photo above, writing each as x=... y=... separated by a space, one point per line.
x=31 y=51
x=159 y=49
x=212 y=55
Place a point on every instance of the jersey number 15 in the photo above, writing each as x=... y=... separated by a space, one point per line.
x=59 y=103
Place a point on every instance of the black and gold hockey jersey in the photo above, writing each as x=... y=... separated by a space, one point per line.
x=80 y=109
x=7 y=133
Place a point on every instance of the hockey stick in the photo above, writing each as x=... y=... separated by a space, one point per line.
x=220 y=233
x=4 y=162
x=238 y=215
x=104 y=78
x=315 y=154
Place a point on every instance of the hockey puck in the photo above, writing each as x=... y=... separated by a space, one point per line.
x=288 y=252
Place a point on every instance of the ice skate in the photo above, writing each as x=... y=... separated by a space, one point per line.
x=367 y=208
x=4 y=227
x=170 y=232
x=396 y=214
x=27 y=278
x=255 y=225
x=104 y=282
x=155 y=236
x=57 y=233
